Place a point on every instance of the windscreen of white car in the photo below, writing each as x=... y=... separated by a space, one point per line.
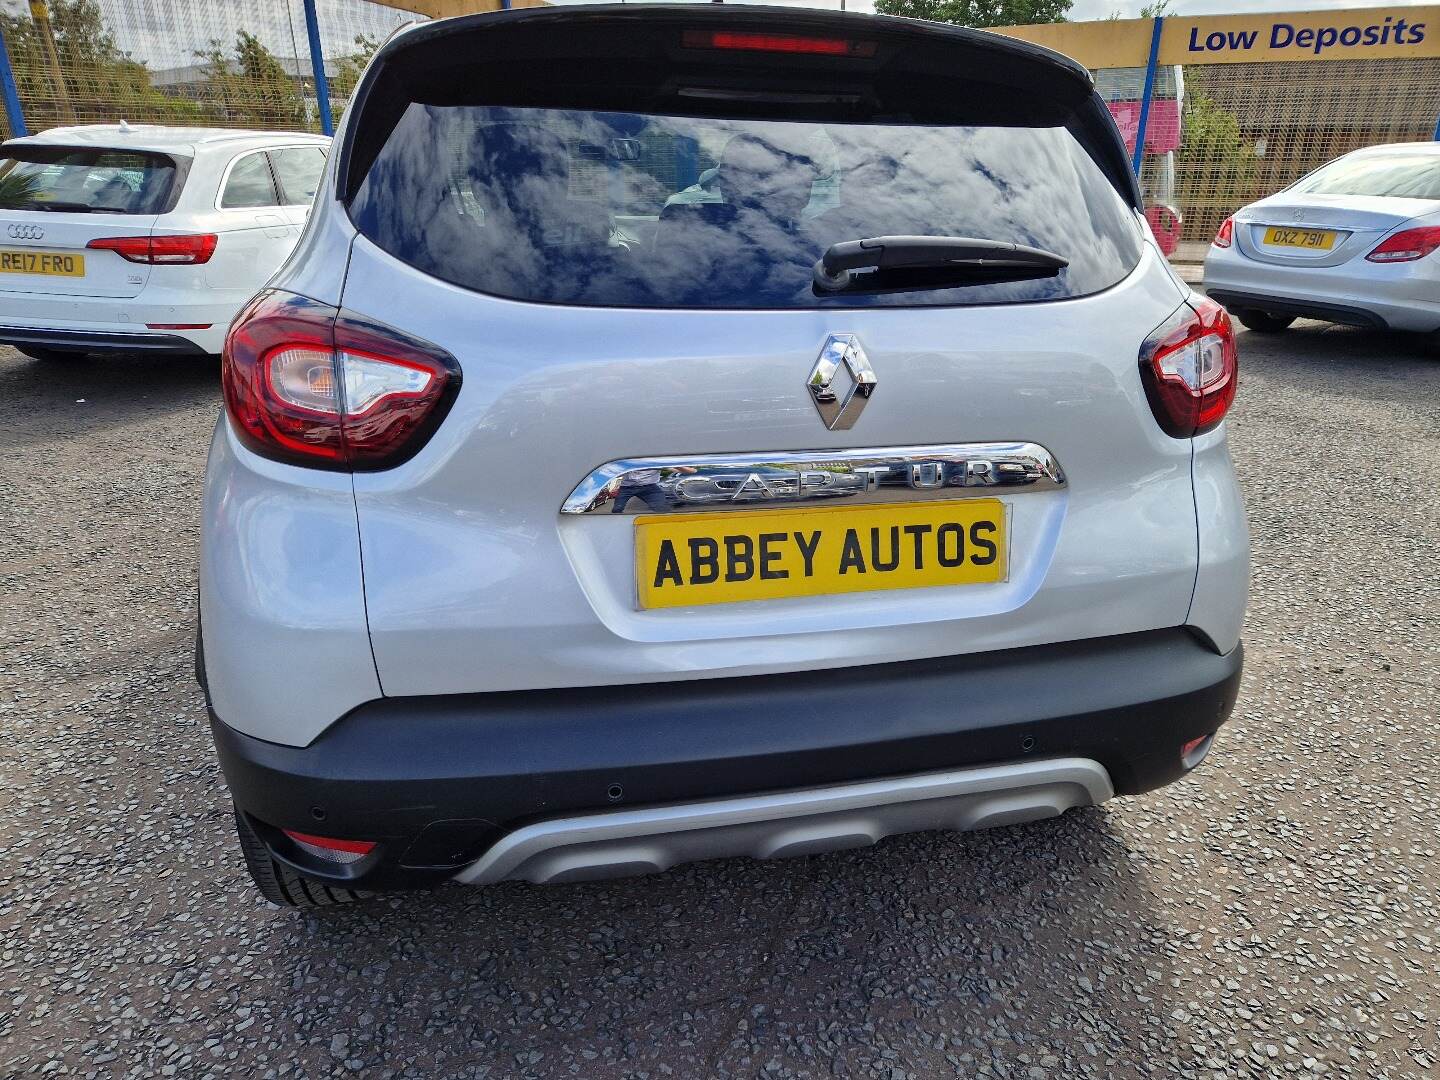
x=602 y=208
x=1401 y=175
x=87 y=180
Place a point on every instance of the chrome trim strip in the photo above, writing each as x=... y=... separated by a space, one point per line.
x=801 y=822
x=874 y=474
x=70 y=332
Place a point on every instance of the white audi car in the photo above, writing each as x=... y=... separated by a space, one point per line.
x=1354 y=242
x=120 y=238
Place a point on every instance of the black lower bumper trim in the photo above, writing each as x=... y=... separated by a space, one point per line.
x=1301 y=309
x=436 y=779
x=86 y=341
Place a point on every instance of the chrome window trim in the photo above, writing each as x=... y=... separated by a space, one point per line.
x=704 y=482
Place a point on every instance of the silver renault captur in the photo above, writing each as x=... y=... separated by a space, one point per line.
x=699 y=431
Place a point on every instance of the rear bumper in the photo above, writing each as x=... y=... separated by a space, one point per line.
x=121 y=324
x=98 y=341
x=1299 y=307
x=448 y=784
x=1398 y=296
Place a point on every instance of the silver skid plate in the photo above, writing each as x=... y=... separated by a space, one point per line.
x=789 y=823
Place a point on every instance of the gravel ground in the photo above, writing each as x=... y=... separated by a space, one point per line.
x=1276 y=914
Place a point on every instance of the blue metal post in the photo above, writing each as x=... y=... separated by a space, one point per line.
x=1155 y=31
x=1437 y=130
x=14 y=114
x=317 y=64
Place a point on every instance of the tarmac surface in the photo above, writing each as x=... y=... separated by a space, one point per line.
x=1275 y=914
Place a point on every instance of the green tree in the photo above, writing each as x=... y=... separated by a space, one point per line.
x=252 y=87
x=979 y=12
x=348 y=69
x=1215 y=168
x=350 y=66
x=97 y=80
x=1157 y=10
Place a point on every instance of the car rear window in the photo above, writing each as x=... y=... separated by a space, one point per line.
x=1408 y=176
x=250 y=184
x=87 y=180
x=629 y=209
x=298 y=169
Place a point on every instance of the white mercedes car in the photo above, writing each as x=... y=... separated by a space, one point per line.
x=121 y=238
x=1354 y=242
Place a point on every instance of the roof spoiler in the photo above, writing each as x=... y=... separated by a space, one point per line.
x=733 y=60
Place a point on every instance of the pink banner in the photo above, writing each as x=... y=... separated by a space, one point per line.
x=1162 y=126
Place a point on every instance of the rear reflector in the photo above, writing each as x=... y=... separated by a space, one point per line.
x=178 y=325
x=189 y=250
x=1194 y=751
x=330 y=849
x=1407 y=246
x=1190 y=368
x=776 y=43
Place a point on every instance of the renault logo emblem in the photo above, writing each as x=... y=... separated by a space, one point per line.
x=841 y=381
x=26 y=232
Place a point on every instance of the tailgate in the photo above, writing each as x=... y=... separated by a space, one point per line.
x=56 y=199
x=476 y=581
x=772 y=468
x=46 y=253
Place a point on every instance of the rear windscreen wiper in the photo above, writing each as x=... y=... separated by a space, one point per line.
x=895 y=263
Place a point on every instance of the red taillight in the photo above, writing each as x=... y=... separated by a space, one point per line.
x=777 y=43
x=329 y=848
x=1407 y=246
x=1190 y=368
x=1226 y=236
x=188 y=250
x=308 y=384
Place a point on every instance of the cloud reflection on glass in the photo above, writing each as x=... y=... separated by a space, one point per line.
x=569 y=206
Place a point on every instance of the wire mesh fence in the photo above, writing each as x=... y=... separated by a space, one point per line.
x=244 y=63
x=1251 y=129
x=1218 y=137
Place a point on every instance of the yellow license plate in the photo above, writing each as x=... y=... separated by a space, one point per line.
x=1315 y=239
x=724 y=557
x=53 y=263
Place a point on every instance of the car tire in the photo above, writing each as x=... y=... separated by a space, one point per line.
x=49 y=356
x=281 y=885
x=1262 y=322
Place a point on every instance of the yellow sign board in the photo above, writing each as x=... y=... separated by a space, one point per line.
x=1353 y=34
x=1105 y=44
x=444 y=9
